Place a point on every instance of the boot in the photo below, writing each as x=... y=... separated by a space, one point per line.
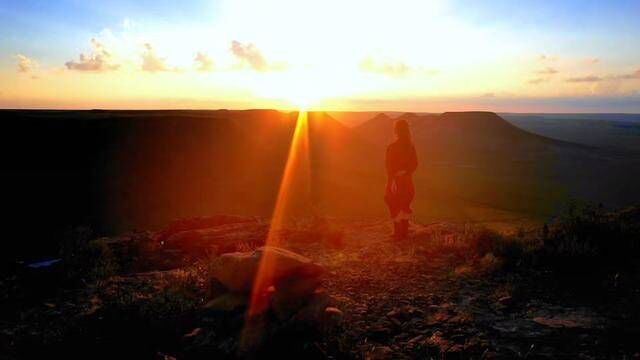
x=404 y=229
x=396 y=230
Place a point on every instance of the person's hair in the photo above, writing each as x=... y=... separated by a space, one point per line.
x=402 y=131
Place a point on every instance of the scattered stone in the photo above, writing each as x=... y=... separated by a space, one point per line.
x=506 y=301
x=333 y=317
x=415 y=341
x=163 y=356
x=455 y=349
x=437 y=342
x=193 y=333
x=380 y=332
x=564 y=322
x=379 y=353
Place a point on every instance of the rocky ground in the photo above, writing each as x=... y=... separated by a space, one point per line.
x=427 y=297
x=403 y=301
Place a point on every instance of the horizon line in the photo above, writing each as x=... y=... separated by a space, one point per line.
x=319 y=110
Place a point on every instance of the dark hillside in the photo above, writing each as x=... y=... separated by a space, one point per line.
x=119 y=170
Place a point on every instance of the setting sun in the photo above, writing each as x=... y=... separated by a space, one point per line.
x=431 y=55
x=320 y=179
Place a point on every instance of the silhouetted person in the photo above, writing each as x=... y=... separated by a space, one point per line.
x=401 y=162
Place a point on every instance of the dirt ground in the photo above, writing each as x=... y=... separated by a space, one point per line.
x=398 y=299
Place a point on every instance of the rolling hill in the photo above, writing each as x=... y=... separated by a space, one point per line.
x=119 y=170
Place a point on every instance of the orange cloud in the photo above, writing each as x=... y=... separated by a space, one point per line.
x=580 y=79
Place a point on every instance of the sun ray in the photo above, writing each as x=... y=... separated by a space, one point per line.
x=295 y=183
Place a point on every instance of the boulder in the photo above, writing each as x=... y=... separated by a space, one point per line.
x=237 y=271
x=332 y=317
x=282 y=265
x=227 y=302
x=285 y=306
x=313 y=311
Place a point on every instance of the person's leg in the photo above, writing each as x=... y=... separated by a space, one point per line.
x=394 y=212
x=397 y=231
x=404 y=229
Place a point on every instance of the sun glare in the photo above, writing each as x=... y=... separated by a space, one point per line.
x=296 y=174
x=302 y=102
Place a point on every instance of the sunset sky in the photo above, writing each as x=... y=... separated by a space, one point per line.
x=413 y=55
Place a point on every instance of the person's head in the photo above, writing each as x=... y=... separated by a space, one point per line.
x=402 y=131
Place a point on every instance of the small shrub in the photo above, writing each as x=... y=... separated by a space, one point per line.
x=587 y=238
x=179 y=292
x=86 y=258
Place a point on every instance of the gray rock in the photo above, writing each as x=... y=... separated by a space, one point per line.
x=237 y=271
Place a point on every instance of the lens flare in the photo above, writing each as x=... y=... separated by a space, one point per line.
x=295 y=184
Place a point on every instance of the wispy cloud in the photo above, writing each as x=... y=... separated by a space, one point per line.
x=387 y=68
x=25 y=64
x=544 y=57
x=99 y=60
x=537 y=81
x=250 y=55
x=203 y=62
x=608 y=79
x=543 y=75
x=584 y=79
x=548 y=71
x=632 y=76
x=392 y=69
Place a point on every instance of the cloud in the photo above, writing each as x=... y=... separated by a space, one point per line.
x=390 y=69
x=25 y=64
x=581 y=79
x=151 y=62
x=543 y=57
x=632 y=76
x=249 y=54
x=99 y=60
x=546 y=75
x=611 y=80
x=537 y=81
x=548 y=71
x=204 y=63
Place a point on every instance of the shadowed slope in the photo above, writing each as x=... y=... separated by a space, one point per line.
x=117 y=170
